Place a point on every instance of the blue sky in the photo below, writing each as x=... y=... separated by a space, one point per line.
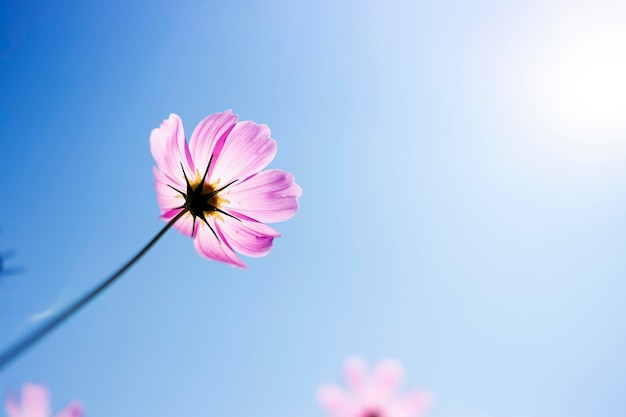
x=463 y=207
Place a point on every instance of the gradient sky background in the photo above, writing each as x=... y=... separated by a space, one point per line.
x=464 y=209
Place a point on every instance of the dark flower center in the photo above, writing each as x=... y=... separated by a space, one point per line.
x=372 y=413
x=202 y=199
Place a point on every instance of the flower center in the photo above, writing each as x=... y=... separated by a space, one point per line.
x=203 y=199
x=372 y=413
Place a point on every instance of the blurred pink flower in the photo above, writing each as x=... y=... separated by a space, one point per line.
x=373 y=394
x=35 y=402
x=218 y=179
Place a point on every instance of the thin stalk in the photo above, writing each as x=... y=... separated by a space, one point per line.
x=29 y=340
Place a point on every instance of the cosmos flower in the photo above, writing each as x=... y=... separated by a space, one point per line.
x=35 y=402
x=373 y=393
x=218 y=180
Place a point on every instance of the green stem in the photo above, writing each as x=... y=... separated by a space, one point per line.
x=29 y=340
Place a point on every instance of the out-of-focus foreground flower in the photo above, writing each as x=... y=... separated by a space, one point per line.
x=373 y=393
x=35 y=402
x=218 y=179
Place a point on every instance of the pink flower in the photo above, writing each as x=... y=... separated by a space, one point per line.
x=35 y=402
x=218 y=180
x=373 y=394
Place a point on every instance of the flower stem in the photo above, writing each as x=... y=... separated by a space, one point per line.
x=29 y=340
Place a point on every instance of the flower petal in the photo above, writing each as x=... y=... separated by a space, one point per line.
x=13 y=409
x=269 y=196
x=417 y=403
x=73 y=409
x=249 y=238
x=355 y=372
x=208 y=138
x=35 y=401
x=170 y=202
x=246 y=151
x=169 y=148
x=167 y=197
x=333 y=399
x=184 y=224
x=388 y=376
x=208 y=246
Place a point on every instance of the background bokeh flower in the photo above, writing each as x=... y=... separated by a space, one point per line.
x=35 y=402
x=373 y=392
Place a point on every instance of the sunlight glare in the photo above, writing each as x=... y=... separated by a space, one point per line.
x=578 y=80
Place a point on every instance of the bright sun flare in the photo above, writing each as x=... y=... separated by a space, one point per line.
x=578 y=80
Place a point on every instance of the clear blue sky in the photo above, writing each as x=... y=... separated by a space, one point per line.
x=461 y=212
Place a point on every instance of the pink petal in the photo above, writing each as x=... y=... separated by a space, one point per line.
x=388 y=376
x=333 y=399
x=167 y=197
x=417 y=403
x=355 y=372
x=208 y=246
x=247 y=150
x=11 y=405
x=169 y=148
x=170 y=200
x=209 y=137
x=184 y=224
x=73 y=409
x=35 y=401
x=248 y=238
x=269 y=196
